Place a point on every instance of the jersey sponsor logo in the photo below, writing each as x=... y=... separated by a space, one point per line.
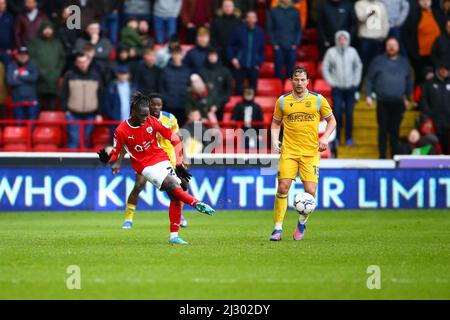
x=301 y=117
x=150 y=130
x=131 y=137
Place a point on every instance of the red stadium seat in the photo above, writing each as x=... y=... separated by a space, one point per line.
x=47 y=136
x=1 y=136
x=15 y=135
x=310 y=36
x=227 y=116
x=268 y=116
x=234 y=100
x=268 y=54
x=52 y=117
x=322 y=87
x=19 y=147
x=45 y=148
x=417 y=94
x=101 y=135
x=269 y=87
x=186 y=47
x=308 y=52
x=310 y=66
x=319 y=70
x=267 y=70
x=266 y=103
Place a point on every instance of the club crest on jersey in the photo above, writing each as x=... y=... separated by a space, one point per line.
x=150 y=130
x=308 y=104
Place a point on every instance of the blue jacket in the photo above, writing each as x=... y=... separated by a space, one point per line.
x=174 y=82
x=23 y=86
x=195 y=58
x=284 y=27
x=247 y=46
x=6 y=34
x=111 y=100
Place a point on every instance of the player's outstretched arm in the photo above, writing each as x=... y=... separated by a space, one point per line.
x=116 y=166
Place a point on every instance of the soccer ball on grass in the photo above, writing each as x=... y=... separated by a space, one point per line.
x=304 y=203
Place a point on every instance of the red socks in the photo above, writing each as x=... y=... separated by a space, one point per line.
x=185 y=197
x=175 y=215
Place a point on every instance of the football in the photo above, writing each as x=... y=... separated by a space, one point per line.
x=304 y=203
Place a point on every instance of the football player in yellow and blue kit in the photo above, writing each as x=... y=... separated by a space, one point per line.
x=169 y=120
x=300 y=112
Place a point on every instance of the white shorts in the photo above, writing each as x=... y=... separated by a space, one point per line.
x=157 y=173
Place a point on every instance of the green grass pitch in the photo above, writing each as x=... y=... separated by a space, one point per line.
x=229 y=256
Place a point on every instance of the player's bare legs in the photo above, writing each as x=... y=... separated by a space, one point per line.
x=311 y=188
x=280 y=207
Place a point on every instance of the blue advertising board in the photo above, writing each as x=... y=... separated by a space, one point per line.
x=223 y=187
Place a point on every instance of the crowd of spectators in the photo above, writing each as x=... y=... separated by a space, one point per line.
x=367 y=47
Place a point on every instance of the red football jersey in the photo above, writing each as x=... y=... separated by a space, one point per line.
x=141 y=143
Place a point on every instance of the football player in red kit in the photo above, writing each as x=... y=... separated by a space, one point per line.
x=137 y=136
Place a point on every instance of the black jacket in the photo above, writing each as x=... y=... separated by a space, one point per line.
x=255 y=114
x=335 y=16
x=147 y=78
x=435 y=101
x=440 y=54
x=284 y=27
x=219 y=80
x=173 y=85
x=222 y=29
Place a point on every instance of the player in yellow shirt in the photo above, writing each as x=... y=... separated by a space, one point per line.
x=300 y=113
x=169 y=120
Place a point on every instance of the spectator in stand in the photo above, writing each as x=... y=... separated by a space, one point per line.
x=173 y=84
x=398 y=11
x=110 y=20
x=131 y=38
x=80 y=99
x=373 y=28
x=440 y=53
x=223 y=27
x=422 y=27
x=68 y=37
x=28 y=23
x=163 y=55
x=422 y=144
x=218 y=79
x=246 y=52
x=16 y=7
x=285 y=34
x=196 y=57
x=3 y=89
x=193 y=138
x=243 y=6
x=389 y=80
x=335 y=15
x=435 y=102
x=147 y=74
x=342 y=69
x=139 y=9
x=117 y=98
x=47 y=53
x=195 y=14
x=144 y=34
x=248 y=112
x=165 y=15
x=300 y=5
x=22 y=76
x=201 y=98
x=446 y=8
x=102 y=45
x=6 y=34
x=123 y=59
